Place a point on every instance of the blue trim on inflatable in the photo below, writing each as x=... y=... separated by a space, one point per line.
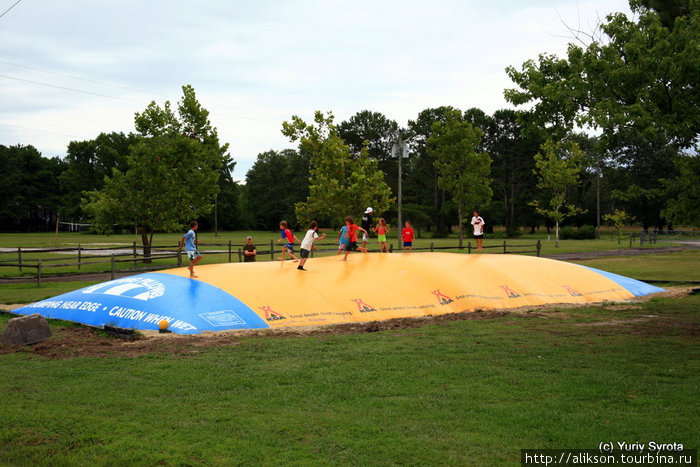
x=638 y=288
x=142 y=301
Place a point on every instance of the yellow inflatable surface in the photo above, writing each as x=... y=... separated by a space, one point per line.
x=371 y=287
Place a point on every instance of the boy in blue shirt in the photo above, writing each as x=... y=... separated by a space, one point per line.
x=190 y=241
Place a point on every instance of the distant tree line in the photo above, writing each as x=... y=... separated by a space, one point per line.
x=634 y=83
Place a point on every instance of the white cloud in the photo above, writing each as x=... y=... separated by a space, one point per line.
x=255 y=64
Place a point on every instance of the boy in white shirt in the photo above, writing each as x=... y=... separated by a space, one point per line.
x=308 y=243
x=478 y=224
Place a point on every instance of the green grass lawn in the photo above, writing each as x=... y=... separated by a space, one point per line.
x=681 y=266
x=470 y=392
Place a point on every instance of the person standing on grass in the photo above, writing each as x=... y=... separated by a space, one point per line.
x=407 y=235
x=249 y=251
x=308 y=243
x=381 y=230
x=478 y=224
x=190 y=242
x=352 y=237
x=366 y=224
x=289 y=238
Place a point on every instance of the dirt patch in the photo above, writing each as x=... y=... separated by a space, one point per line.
x=73 y=341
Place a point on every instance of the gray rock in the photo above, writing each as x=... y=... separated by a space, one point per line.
x=26 y=330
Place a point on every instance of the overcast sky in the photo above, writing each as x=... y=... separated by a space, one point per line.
x=70 y=70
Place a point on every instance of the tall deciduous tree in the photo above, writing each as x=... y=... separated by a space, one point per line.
x=172 y=172
x=463 y=171
x=634 y=79
x=377 y=132
x=421 y=188
x=558 y=168
x=275 y=183
x=340 y=184
x=28 y=195
x=87 y=165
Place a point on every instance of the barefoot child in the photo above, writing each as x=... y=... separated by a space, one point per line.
x=381 y=230
x=352 y=237
x=407 y=235
x=308 y=243
x=288 y=237
x=342 y=239
x=189 y=240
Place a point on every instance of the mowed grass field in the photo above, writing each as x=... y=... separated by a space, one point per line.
x=470 y=392
x=462 y=392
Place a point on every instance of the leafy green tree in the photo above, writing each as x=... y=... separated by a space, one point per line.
x=512 y=149
x=340 y=184
x=619 y=219
x=275 y=183
x=421 y=187
x=636 y=81
x=638 y=76
x=29 y=199
x=557 y=166
x=226 y=214
x=683 y=207
x=378 y=134
x=171 y=175
x=88 y=163
x=462 y=171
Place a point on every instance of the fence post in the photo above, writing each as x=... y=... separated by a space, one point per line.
x=133 y=249
x=19 y=257
x=240 y=253
x=469 y=248
x=111 y=275
x=391 y=247
x=179 y=256
x=272 y=252
x=431 y=247
x=539 y=247
x=504 y=247
x=38 y=273
x=79 y=255
x=229 y=252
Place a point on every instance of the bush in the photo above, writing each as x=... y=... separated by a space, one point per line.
x=585 y=232
x=567 y=233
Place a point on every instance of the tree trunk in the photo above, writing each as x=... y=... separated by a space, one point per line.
x=461 y=229
x=145 y=241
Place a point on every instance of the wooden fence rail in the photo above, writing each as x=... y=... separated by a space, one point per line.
x=92 y=256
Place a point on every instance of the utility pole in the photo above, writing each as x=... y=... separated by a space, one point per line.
x=399 y=154
x=400 y=150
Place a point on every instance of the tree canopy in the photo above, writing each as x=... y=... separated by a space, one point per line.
x=171 y=171
x=340 y=184
x=463 y=171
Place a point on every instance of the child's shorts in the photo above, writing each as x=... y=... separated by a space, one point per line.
x=341 y=246
x=304 y=253
x=193 y=254
x=381 y=238
x=352 y=246
x=407 y=243
x=365 y=237
x=289 y=246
